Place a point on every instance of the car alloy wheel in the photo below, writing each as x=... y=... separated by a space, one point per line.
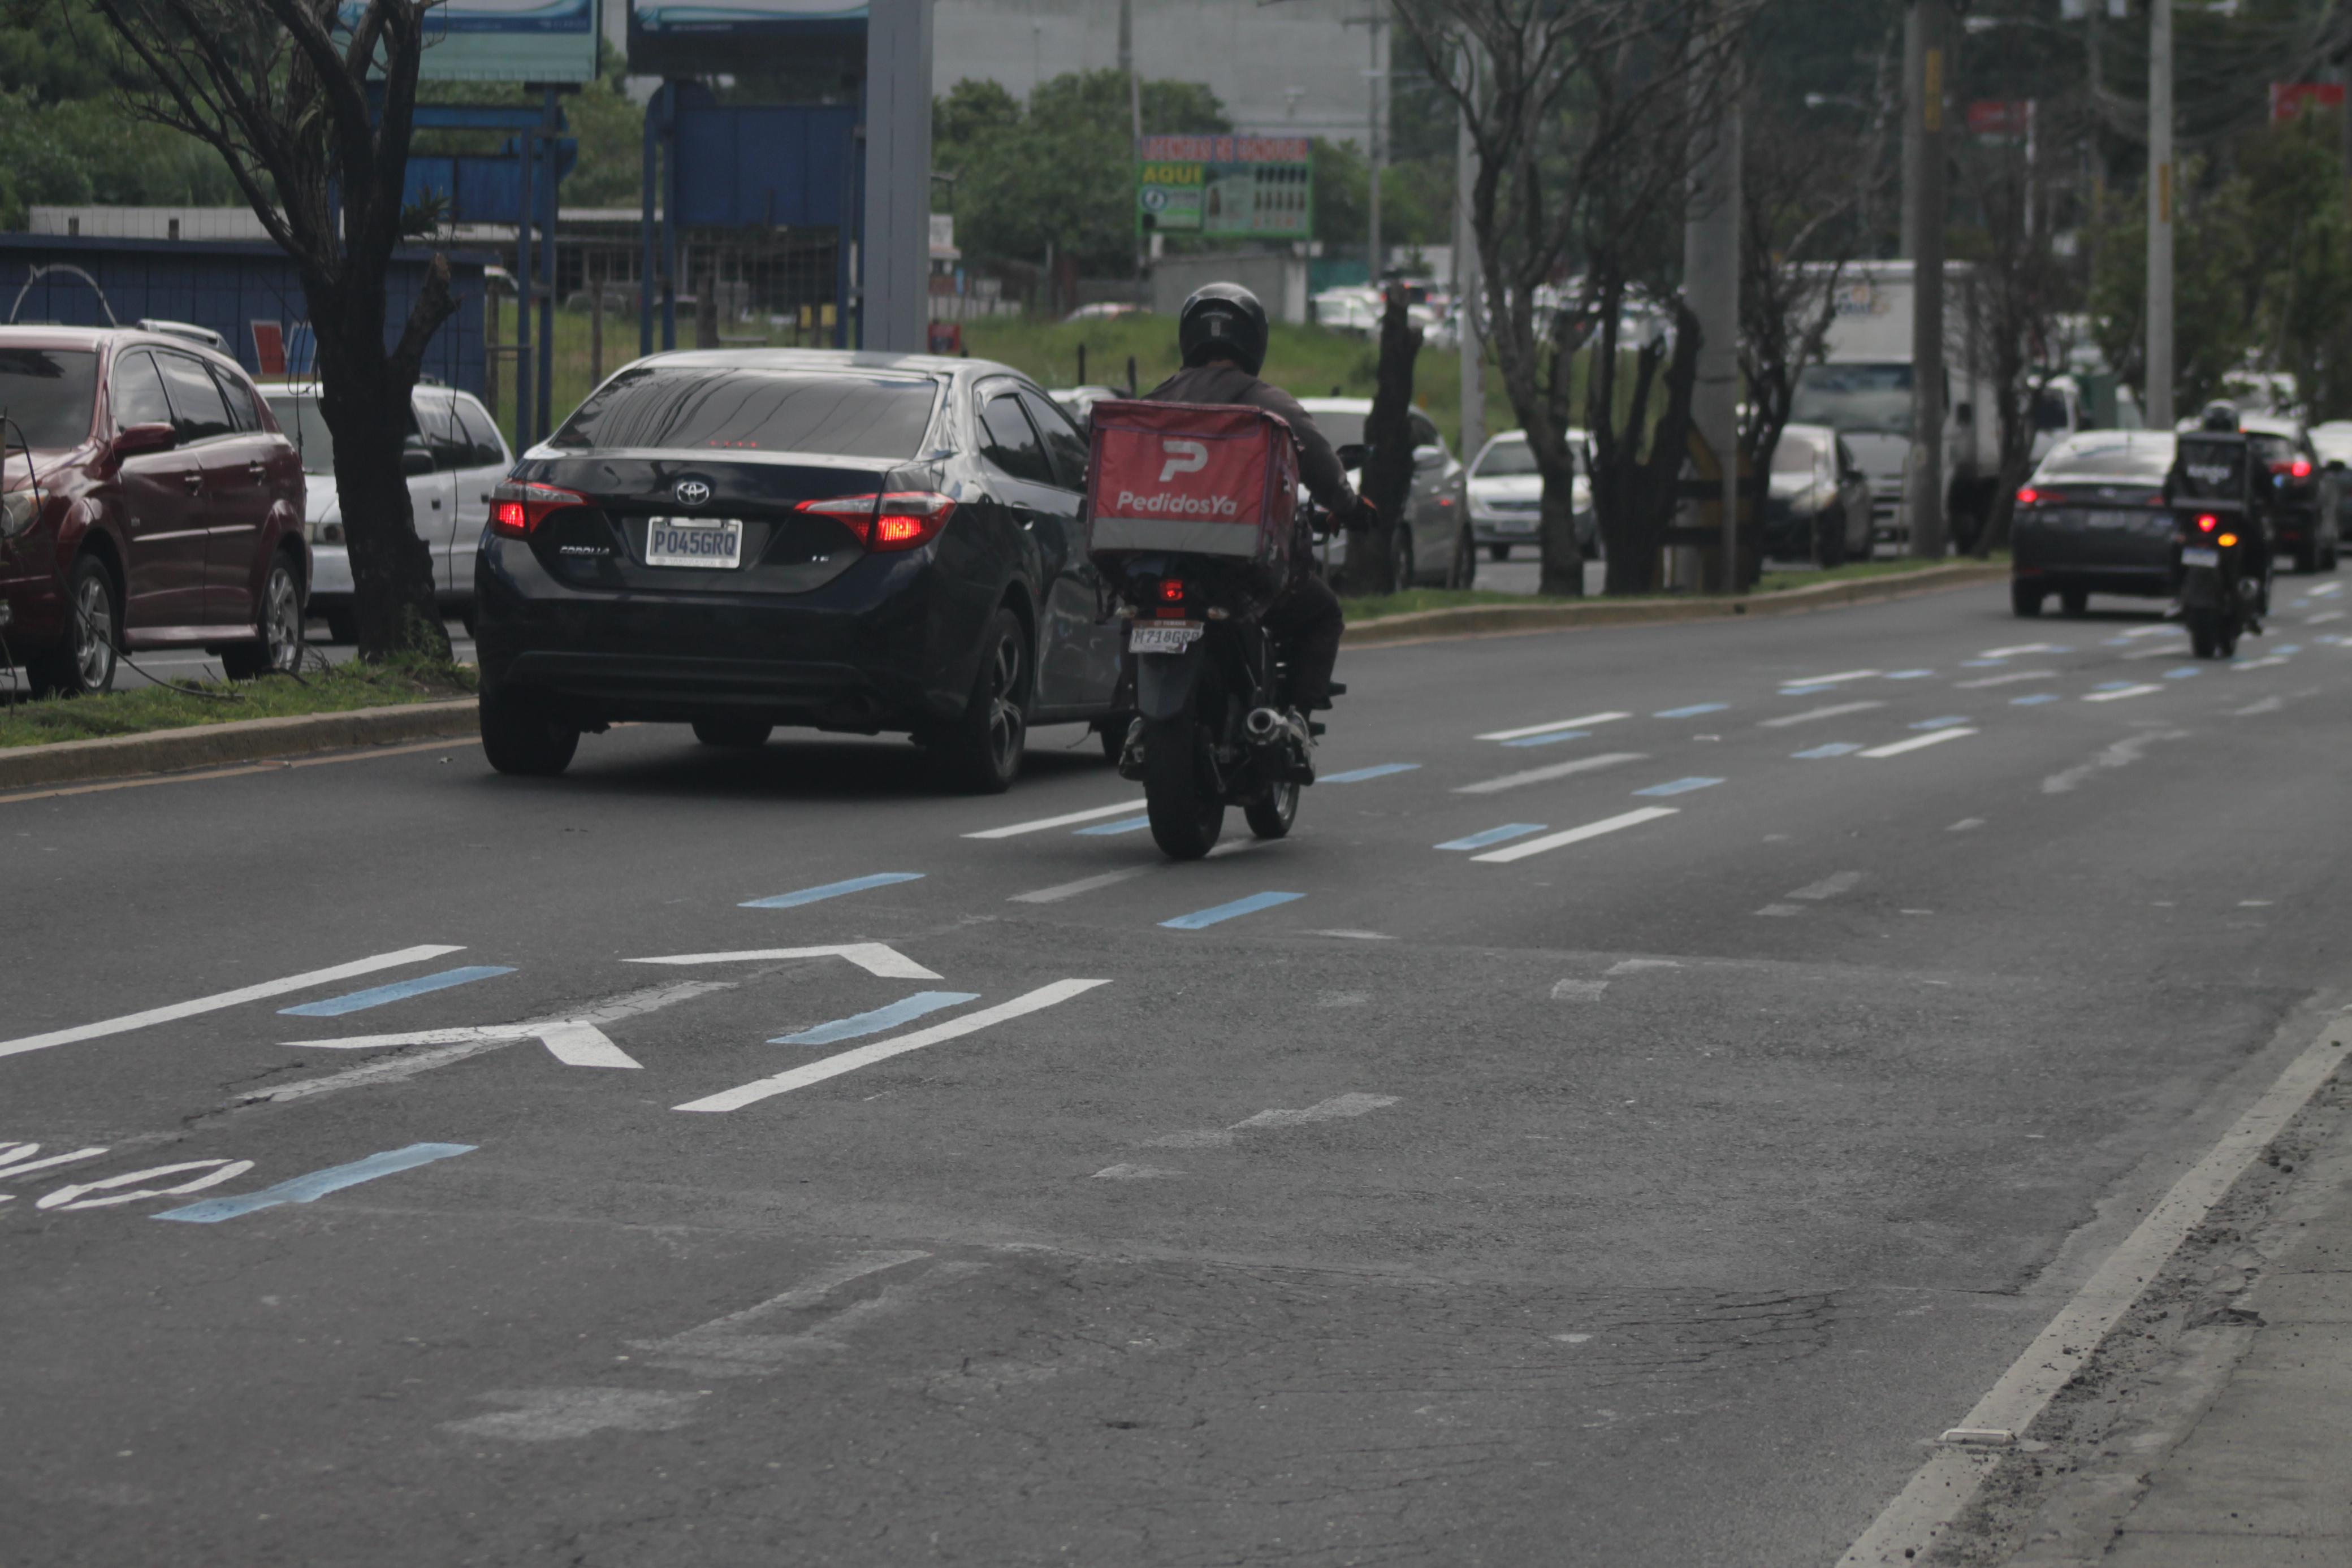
x=93 y=631
x=278 y=651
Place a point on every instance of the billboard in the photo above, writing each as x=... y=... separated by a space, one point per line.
x=684 y=37
x=1226 y=187
x=504 y=40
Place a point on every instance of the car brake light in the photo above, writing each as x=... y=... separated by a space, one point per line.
x=2207 y=523
x=2227 y=540
x=2028 y=496
x=517 y=510
x=2301 y=469
x=895 y=521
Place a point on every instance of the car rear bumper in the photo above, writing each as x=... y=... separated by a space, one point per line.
x=1512 y=528
x=889 y=645
x=2146 y=581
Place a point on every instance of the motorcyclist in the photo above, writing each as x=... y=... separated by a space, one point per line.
x=2222 y=417
x=1221 y=334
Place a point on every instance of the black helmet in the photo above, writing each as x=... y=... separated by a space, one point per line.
x=1223 y=321
x=2221 y=415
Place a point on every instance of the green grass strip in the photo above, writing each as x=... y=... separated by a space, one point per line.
x=339 y=689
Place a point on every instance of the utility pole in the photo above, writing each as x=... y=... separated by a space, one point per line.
x=1469 y=288
x=1134 y=109
x=895 y=255
x=1378 y=135
x=1923 y=226
x=2158 y=390
x=1711 y=285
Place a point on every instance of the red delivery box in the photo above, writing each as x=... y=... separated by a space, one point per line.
x=1192 y=480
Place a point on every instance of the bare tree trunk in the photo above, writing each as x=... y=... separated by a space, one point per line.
x=1388 y=467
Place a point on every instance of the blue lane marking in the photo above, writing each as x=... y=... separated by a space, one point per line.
x=1945 y=723
x=1834 y=749
x=1124 y=825
x=1801 y=691
x=317 y=1185
x=1494 y=836
x=1551 y=739
x=1679 y=787
x=2288 y=648
x=1361 y=774
x=1908 y=674
x=831 y=890
x=2182 y=673
x=2116 y=642
x=1982 y=663
x=335 y=1007
x=2036 y=699
x=880 y=1019
x=1693 y=711
x=1250 y=905
x=2112 y=685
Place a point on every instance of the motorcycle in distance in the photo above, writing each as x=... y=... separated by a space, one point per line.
x=2224 y=572
x=1193 y=512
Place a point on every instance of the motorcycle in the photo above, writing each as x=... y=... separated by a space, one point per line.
x=2224 y=567
x=1210 y=732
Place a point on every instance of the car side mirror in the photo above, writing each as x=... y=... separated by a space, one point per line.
x=415 y=465
x=1428 y=457
x=1355 y=454
x=132 y=440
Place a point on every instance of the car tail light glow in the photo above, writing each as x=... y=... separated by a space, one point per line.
x=892 y=520
x=2207 y=523
x=2028 y=496
x=517 y=510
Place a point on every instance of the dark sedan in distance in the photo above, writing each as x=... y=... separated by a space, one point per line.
x=2093 y=518
x=743 y=539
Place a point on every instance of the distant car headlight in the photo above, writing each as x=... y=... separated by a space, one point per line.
x=18 y=510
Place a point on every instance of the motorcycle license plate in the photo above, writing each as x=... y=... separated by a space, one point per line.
x=717 y=543
x=2201 y=558
x=1162 y=636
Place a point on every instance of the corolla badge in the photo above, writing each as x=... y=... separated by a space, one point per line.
x=691 y=492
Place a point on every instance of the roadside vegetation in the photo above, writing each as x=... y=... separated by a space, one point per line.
x=337 y=688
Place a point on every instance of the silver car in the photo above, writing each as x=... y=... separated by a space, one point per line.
x=1506 y=495
x=1434 y=544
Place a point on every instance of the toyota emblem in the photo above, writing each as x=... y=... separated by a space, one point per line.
x=691 y=492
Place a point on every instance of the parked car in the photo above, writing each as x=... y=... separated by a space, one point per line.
x=743 y=539
x=1817 y=502
x=1505 y=496
x=147 y=500
x=2093 y=518
x=1434 y=545
x=455 y=458
x=2333 y=441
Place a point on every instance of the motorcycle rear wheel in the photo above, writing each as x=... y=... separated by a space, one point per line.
x=2205 y=632
x=1185 y=818
x=1271 y=814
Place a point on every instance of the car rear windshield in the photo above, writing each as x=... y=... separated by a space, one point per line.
x=1507 y=459
x=2149 y=460
x=686 y=408
x=47 y=394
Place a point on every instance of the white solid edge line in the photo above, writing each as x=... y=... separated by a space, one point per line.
x=1934 y=738
x=227 y=998
x=866 y=1055
x=1126 y=808
x=1542 y=775
x=1578 y=835
x=1556 y=724
x=1947 y=1483
x=1787 y=719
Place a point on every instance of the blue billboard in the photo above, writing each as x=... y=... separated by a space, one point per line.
x=688 y=36
x=505 y=40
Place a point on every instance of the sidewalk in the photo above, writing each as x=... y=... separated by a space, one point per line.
x=2242 y=1457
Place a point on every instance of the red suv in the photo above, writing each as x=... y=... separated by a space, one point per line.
x=147 y=499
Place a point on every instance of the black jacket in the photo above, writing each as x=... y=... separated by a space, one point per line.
x=1221 y=381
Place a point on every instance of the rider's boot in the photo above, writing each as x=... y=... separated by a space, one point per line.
x=1130 y=752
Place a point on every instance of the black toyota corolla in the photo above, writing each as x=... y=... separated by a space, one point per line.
x=739 y=540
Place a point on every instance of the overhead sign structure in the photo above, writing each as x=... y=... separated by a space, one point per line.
x=684 y=38
x=503 y=40
x=1226 y=187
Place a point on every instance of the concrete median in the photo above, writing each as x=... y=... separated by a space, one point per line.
x=243 y=741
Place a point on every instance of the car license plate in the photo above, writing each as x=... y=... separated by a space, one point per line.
x=2112 y=519
x=1162 y=636
x=2201 y=558
x=716 y=543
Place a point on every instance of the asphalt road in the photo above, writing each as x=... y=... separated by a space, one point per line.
x=1648 y=1198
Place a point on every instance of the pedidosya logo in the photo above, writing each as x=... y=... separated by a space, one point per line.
x=1181 y=456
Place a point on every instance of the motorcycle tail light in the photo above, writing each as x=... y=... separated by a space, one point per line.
x=2207 y=523
x=517 y=510
x=2227 y=540
x=886 y=521
x=1172 y=590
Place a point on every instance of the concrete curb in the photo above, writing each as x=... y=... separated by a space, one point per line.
x=1519 y=619
x=243 y=741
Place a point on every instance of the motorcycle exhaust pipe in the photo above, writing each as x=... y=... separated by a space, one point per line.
x=1262 y=724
